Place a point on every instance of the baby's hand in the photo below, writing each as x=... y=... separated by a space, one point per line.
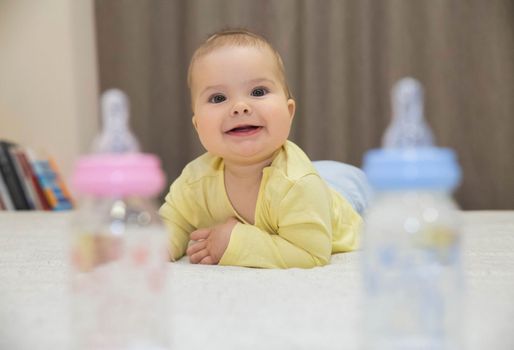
x=211 y=243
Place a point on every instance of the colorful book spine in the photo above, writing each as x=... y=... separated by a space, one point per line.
x=11 y=179
x=66 y=198
x=56 y=193
x=5 y=197
x=22 y=177
x=27 y=159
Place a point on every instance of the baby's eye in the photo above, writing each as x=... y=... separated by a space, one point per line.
x=260 y=91
x=217 y=98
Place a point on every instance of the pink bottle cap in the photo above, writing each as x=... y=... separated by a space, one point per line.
x=113 y=175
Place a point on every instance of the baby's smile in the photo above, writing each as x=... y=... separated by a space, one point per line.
x=244 y=130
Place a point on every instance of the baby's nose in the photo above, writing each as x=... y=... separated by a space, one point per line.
x=241 y=108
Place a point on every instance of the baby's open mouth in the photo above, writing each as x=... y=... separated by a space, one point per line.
x=244 y=130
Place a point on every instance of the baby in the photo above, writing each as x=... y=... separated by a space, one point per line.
x=254 y=199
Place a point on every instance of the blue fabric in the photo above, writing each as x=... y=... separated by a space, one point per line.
x=348 y=180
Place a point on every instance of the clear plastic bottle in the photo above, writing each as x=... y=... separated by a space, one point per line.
x=119 y=252
x=411 y=263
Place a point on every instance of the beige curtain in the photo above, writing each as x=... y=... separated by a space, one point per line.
x=342 y=57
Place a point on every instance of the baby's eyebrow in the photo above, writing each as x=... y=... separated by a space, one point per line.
x=260 y=80
x=211 y=87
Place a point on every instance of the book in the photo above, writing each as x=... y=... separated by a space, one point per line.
x=66 y=195
x=51 y=182
x=10 y=176
x=5 y=197
x=26 y=186
x=27 y=158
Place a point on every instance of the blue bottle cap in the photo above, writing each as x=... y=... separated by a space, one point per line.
x=429 y=168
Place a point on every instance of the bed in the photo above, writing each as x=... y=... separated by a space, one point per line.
x=241 y=308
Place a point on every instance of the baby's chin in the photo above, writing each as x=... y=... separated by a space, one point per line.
x=246 y=155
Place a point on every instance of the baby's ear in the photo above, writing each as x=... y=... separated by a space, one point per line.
x=291 y=106
x=193 y=119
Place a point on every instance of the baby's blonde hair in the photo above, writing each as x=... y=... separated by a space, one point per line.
x=237 y=37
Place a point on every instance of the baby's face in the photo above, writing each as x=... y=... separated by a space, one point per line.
x=241 y=112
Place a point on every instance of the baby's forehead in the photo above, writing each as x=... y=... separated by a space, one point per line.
x=237 y=49
x=216 y=58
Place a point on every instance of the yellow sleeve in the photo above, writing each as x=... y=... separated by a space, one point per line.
x=179 y=228
x=304 y=237
x=348 y=225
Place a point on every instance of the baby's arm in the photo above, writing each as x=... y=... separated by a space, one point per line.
x=178 y=227
x=303 y=238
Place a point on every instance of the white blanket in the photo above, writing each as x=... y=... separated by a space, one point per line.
x=238 y=308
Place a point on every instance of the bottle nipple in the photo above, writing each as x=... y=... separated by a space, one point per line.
x=408 y=158
x=115 y=136
x=408 y=128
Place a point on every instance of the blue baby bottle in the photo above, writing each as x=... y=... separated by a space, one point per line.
x=411 y=261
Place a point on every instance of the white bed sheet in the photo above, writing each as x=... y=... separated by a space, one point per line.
x=239 y=308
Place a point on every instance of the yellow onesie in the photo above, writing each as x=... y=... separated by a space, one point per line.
x=299 y=220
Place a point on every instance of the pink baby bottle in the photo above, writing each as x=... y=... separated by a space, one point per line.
x=119 y=249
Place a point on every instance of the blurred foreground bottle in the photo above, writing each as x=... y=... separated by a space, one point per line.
x=119 y=254
x=413 y=279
